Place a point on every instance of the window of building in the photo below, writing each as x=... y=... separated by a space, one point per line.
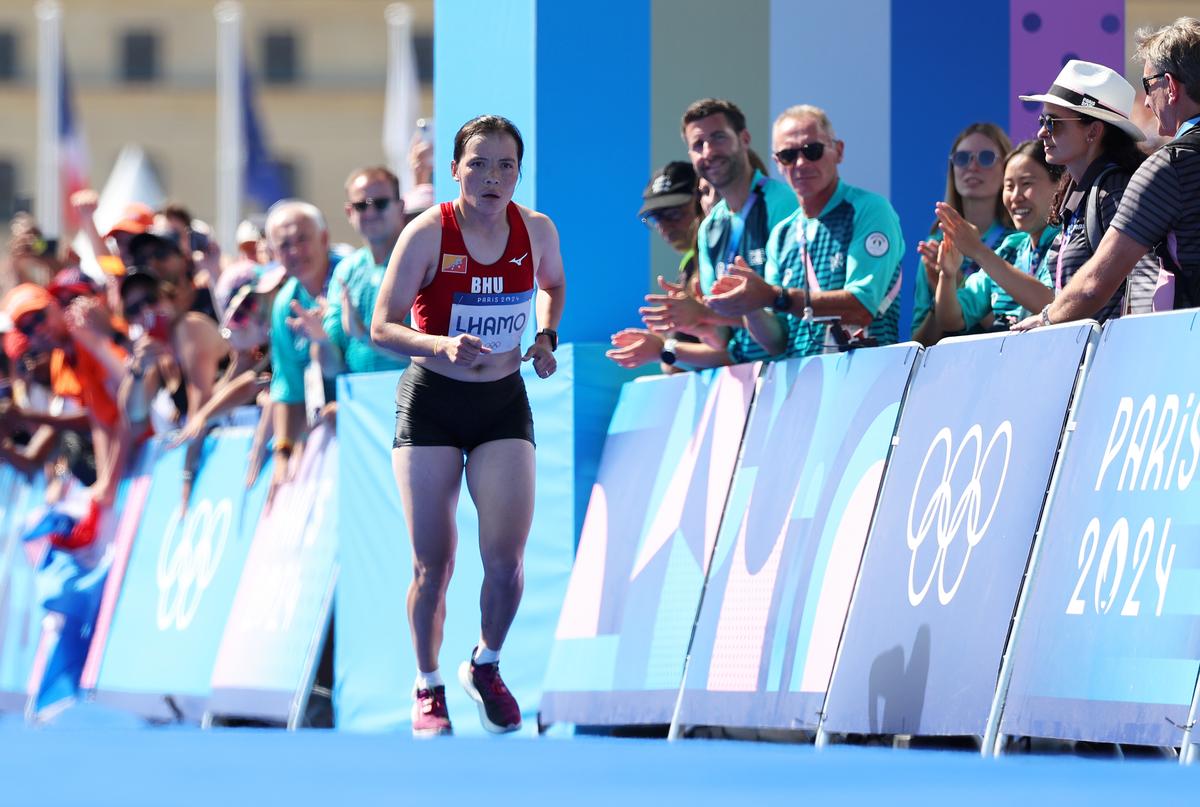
x=423 y=48
x=8 y=189
x=8 y=55
x=280 y=57
x=140 y=56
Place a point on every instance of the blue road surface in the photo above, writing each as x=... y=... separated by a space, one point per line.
x=113 y=760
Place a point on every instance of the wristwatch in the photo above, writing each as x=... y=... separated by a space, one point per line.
x=1044 y=317
x=668 y=351
x=553 y=337
x=783 y=300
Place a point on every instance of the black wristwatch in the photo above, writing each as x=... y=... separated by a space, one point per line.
x=668 y=352
x=553 y=337
x=783 y=301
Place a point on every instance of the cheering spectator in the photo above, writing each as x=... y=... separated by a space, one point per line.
x=240 y=295
x=30 y=258
x=376 y=212
x=172 y=264
x=973 y=179
x=838 y=256
x=1160 y=207
x=671 y=207
x=84 y=365
x=719 y=147
x=1015 y=278
x=299 y=239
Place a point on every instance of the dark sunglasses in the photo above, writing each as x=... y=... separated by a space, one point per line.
x=1147 y=79
x=985 y=158
x=1047 y=122
x=379 y=204
x=666 y=215
x=244 y=312
x=137 y=306
x=811 y=151
x=31 y=322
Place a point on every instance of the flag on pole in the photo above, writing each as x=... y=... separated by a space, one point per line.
x=402 y=100
x=72 y=153
x=262 y=180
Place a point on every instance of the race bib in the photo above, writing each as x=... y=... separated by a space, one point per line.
x=497 y=319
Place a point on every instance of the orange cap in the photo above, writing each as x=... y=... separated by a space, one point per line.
x=25 y=299
x=136 y=219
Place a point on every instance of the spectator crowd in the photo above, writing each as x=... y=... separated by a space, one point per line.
x=166 y=335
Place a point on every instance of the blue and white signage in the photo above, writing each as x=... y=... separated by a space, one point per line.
x=957 y=514
x=792 y=537
x=1108 y=648
x=180 y=583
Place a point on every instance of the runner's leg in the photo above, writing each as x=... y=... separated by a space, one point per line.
x=429 y=478
x=500 y=478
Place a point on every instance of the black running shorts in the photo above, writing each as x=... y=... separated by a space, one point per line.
x=433 y=410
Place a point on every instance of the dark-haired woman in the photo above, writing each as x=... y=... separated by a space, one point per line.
x=467 y=269
x=1015 y=279
x=973 y=178
x=1086 y=128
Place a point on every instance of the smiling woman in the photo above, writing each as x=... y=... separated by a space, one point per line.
x=974 y=173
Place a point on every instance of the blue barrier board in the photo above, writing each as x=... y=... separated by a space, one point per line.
x=957 y=514
x=649 y=533
x=1109 y=645
x=791 y=538
x=180 y=582
x=269 y=649
x=21 y=611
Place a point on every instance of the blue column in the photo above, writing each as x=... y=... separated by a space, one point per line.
x=577 y=85
x=949 y=69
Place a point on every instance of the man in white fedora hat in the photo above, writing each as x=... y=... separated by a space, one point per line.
x=1086 y=128
x=1160 y=209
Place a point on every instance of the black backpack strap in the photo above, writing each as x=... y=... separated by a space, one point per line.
x=1092 y=226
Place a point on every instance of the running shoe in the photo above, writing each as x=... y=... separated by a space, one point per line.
x=498 y=710
x=430 y=718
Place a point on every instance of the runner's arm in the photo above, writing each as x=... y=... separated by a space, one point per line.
x=548 y=272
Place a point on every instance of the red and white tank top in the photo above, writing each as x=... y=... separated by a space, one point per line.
x=491 y=301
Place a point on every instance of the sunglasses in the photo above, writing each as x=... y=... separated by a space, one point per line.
x=31 y=322
x=132 y=309
x=379 y=204
x=1047 y=122
x=666 y=215
x=1146 y=80
x=984 y=158
x=244 y=312
x=811 y=151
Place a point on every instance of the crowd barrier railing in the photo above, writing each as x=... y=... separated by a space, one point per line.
x=1087 y=440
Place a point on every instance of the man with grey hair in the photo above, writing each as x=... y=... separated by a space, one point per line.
x=837 y=257
x=1160 y=209
x=298 y=238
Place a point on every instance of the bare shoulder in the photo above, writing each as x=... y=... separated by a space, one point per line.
x=425 y=231
x=195 y=325
x=541 y=228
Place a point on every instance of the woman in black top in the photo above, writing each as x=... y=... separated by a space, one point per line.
x=1086 y=128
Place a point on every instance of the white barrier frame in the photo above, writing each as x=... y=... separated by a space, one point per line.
x=992 y=739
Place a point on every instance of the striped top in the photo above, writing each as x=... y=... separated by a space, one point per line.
x=1163 y=200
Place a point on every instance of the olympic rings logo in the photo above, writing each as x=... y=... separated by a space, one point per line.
x=949 y=514
x=188 y=558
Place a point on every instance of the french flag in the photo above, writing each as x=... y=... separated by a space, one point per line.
x=72 y=154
